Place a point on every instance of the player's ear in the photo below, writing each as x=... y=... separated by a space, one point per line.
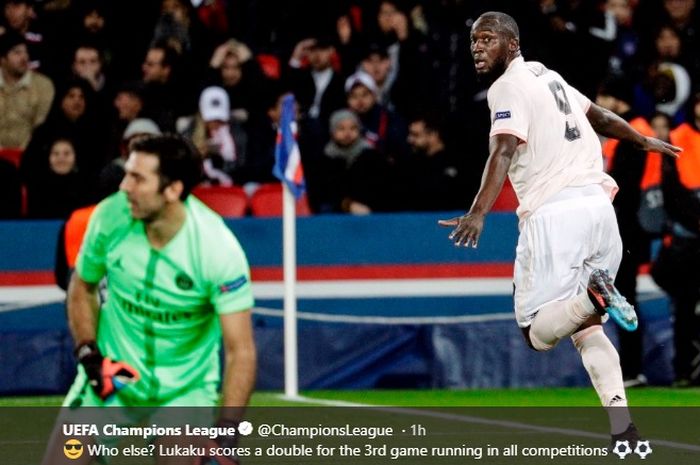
x=513 y=45
x=173 y=191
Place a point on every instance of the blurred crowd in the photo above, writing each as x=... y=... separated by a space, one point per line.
x=391 y=116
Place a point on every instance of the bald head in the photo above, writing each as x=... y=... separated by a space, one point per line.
x=499 y=22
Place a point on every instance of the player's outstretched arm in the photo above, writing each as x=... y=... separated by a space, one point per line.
x=468 y=227
x=609 y=124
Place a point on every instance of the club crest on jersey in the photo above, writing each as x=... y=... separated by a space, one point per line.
x=233 y=285
x=502 y=115
x=184 y=282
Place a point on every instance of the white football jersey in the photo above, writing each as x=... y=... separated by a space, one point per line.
x=558 y=146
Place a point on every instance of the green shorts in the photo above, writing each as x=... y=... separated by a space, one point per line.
x=82 y=395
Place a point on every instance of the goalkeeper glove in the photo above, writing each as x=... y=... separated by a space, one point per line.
x=106 y=376
x=221 y=444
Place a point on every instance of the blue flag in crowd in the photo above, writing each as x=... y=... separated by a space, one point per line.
x=288 y=167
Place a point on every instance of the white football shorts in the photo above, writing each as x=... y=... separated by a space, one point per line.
x=559 y=245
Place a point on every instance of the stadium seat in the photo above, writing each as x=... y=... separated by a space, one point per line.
x=11 y=155
x=267 y=201
x=270 y=65
x=226 y=201
x=506 y=201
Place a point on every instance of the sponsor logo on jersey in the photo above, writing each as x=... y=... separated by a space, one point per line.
x=184 y=282
x=502 y=115
x=233 y=285
x=166 y=317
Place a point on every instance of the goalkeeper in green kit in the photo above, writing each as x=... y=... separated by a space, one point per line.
x=177 y=281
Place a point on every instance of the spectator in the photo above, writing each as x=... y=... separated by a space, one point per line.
x=58 y=187
x=129 y=102
x=665 y=88
x=262 y=135
x=164 y=99
x=126 y=107
x=394 y=30
x=317 y=87
x=25 y=95
x=182 y=26
x=683 y=15
x=349 y=40
x=429 y=177
x=88 y=64
x=410 y=58
x=618 y=16
x=137 y=128
x=19 y=16
x=91 y=24
x=113 y=173
x=377 y=64
x=667 y=44
x=72 y=118
x=218 y=137
x=672 y=89
x=661 y=124
x=232 y=67
x=173 y=26
x=359 y=179
x=346 y=145
x=383 y=129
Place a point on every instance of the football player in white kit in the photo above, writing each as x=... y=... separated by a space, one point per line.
x=543 y=136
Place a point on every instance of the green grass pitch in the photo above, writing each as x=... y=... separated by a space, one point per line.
x=550 y=397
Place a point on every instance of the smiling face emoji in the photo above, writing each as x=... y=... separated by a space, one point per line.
x=73 y=449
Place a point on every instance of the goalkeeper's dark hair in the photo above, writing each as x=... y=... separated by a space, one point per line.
x=178 y=160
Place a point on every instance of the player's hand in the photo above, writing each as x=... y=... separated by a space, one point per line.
x=467 y=229
x=106 y=376
x=220 y=444
x=652 y=144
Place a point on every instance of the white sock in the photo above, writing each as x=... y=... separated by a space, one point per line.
x=603 y=365
x=557 y=320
